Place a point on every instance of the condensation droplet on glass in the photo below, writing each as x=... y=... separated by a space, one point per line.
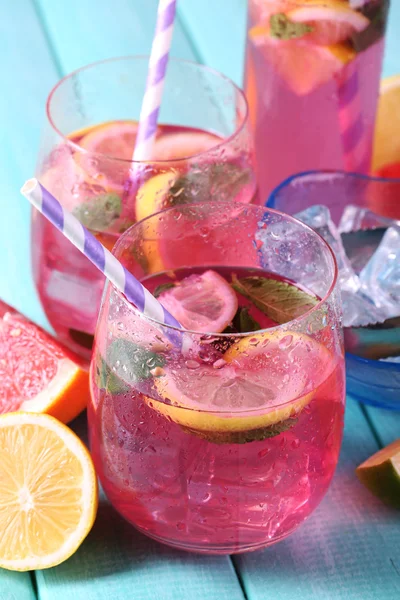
x=192 y=364
x=286 y=342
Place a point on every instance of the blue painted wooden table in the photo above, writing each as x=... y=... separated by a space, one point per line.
x=350 y=547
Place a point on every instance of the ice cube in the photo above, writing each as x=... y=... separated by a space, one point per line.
x=319 y=218
x=356 y=218
x=361 y=245
x=359 y=310
x=391 y=359
x=380 y=278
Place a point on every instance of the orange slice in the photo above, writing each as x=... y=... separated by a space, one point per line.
x=37 y=374
x=184 y=144
x=107 y=153
x=48 y=492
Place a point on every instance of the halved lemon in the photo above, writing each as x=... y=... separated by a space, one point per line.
x=48 y=492
x=261 y=381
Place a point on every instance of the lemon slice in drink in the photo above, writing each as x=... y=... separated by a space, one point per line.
x=257 y=390
x=152 y=197
x=381 y=474
x=205 y=303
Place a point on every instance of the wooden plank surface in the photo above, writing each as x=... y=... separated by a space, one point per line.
x=118 y=563
x=22 y=101
x=95 y=30
x=349 y=548
x=218 y=32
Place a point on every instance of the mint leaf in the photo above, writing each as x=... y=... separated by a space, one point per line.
x=285 y=29
x=279 y=300
x=108 y=380
x=140 y=257
x=243 y=322
x=99 y=212
x=131 y=362
x=163 y=288
x=216 y=180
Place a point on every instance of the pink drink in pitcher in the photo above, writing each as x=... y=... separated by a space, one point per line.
x=90 y=171
x=228 y=443
x=312 y=82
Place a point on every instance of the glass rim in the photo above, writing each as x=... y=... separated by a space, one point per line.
x=319 y=175
x=190 y=63
x=218 y=203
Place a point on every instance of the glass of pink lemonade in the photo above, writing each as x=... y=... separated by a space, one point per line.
x=312 y=82
x=223 y=438
x=203 y=149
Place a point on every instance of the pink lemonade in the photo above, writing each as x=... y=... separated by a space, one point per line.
x=312 y=82
x=229 y=447
x=90 y=175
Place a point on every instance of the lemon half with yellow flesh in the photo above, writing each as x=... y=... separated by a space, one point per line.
x=261 y=382
x=48 y=492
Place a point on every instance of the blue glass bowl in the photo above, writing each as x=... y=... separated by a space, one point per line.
x=369 y=381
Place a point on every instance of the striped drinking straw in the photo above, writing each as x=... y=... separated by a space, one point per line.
x=356 y=144
x=155 y=81
x=82 y=239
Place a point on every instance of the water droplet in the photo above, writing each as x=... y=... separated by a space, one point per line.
x=192 y=364
x=219 y=363
x=180 y=526
x=263 y=453
x=286 y=342
x=295 y=443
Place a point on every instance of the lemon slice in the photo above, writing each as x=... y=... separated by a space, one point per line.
x=248 y=391
x=152 y=197
x=381 y=474
x=48 y=492
x=332 y=23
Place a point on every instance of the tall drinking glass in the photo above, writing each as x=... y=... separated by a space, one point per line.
x=203 y=148
x=312 y=81
x=227 y=440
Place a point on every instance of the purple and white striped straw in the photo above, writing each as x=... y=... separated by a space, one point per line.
x=82 y=239
x=356 y=142
x=155 y=81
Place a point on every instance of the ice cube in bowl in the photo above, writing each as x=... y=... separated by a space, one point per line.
x=375 y=382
